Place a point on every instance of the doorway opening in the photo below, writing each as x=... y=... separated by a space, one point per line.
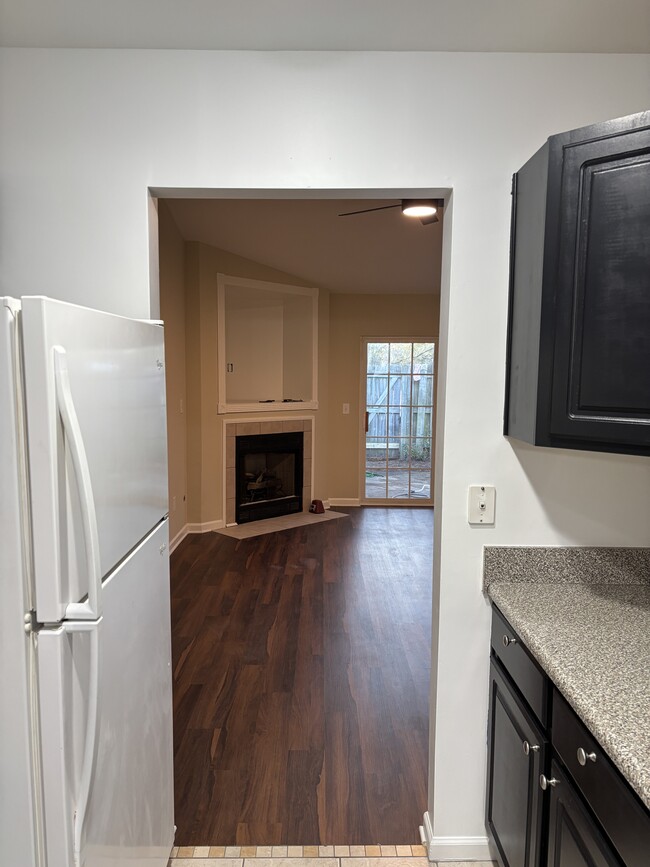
x=300 y=718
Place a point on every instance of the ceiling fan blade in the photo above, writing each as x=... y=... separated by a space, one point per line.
x=432 y=219
x=368 y=210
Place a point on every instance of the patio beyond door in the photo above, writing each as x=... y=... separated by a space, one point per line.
x=399 y=413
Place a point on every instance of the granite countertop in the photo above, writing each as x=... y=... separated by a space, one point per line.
x=590 y=631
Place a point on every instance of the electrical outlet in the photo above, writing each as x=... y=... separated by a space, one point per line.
x=346 y=409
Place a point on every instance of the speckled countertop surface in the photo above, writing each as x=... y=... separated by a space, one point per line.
x=593 y=640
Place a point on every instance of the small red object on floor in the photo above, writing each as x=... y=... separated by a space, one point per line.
x=317 y=507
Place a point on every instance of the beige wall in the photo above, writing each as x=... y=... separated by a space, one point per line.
x=172 y=312
x=353 y=317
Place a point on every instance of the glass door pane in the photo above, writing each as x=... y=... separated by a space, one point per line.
x=399 y=420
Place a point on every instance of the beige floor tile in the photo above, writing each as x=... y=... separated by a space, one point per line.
x=201 y=851
x=418 y=851
x=326 y=851
x=279 y=852
x=217 y=851
x=263 y=851
x=293 y=862
x=185 y=852
x=388 y=851
x=295 y=851
x=357 y=851
x=373 y=851
x=248 y=851
x=207 y=862
x=386 y=862
x=342 y=851
x=174 y=852
x=403 y=851
x=233 y=851
x=310 y=851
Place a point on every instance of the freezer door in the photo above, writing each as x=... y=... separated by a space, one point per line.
x=127 y=820
x=103 y=376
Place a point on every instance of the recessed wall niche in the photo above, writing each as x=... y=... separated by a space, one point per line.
x=267 y=346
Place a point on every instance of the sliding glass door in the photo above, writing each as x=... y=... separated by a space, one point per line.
x=399 y=378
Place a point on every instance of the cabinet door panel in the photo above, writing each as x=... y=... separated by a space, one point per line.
x=514 y=802
x=574 y=838
x=601 y=371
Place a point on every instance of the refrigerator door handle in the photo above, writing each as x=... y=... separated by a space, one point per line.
x=91 y=609
x=92 y=724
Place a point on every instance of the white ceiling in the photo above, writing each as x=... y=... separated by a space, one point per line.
x=374 y=25
x=379 y=252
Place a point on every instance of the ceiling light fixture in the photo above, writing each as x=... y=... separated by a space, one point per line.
x=418 y=207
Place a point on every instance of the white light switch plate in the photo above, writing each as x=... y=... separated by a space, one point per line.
x=480 y=504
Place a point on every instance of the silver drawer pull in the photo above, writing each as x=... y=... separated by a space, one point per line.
x=530 y=748
x=584 y=757
x=507 y=640
x=544 y=782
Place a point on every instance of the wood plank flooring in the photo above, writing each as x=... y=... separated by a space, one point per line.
x=301 y=678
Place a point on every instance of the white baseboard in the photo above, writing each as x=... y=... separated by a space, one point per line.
x=453 y=848
x=194 y=528
x=207 y=527
x=343 y=501
x=178 y=538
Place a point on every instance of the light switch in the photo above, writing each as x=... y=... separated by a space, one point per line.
x=480 y=504
x=346 y=409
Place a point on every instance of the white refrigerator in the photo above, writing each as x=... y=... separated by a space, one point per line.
x=85 y=661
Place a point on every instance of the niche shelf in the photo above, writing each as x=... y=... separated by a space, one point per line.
x=267 y=346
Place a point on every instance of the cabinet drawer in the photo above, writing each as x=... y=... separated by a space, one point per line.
x=529 y=678
x=624 y=818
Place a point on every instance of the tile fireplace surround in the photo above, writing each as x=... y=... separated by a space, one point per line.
x=233 y=429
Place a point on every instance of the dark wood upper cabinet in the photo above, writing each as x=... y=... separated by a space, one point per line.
x=578 y=358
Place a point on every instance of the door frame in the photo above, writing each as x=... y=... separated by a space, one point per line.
x=154 y=192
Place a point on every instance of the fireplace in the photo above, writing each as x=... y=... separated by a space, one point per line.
x=268 y=475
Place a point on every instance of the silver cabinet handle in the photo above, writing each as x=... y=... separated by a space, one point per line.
x=584 y=757
x=544 y=782
x=507 y=640
x=530 y=748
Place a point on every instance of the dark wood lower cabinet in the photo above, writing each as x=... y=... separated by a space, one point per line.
x=574 y=837
x=516 y=756
x=587 y=814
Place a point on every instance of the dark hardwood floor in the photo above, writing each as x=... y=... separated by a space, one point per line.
x=301 y=681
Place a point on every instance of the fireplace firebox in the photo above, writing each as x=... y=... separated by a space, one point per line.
x=268 y=475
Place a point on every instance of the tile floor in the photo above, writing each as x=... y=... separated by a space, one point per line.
x=306 y=856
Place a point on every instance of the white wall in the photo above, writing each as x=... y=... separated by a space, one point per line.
x=254 y=346
x=83 y=135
